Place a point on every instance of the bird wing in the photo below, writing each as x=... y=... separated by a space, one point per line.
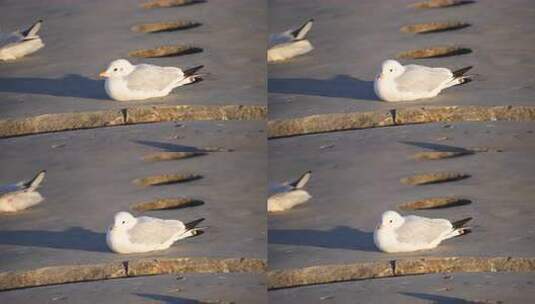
x=421 y=230
x=154 y=231
x=417 y=78
x=146 y=77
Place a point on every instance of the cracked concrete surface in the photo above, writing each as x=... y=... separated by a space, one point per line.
x=355 y=178
x=89 y=179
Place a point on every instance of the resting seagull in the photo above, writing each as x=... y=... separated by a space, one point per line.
x=18 y=44
x=130 y=234
x=22 y=195
x=288 y=195
x=289 y=44
x=396 y=82
x=396 y=233
x=125 y=81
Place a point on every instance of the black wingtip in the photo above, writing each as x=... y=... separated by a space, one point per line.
x=191 y=71
x=191 y=225
x=460 y=72
x=460 y=223
x=296 y=32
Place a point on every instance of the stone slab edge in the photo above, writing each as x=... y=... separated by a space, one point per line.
x=333 y=122
x=323 y=274
x=142 y=267
x=136 y=115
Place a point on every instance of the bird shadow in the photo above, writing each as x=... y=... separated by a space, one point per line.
x=436 y=298
x=70 y=85
x=167 y=299
x=435 y=147
x=342 y=237
x=76 y=238
x=168 y=147
x=341 y=86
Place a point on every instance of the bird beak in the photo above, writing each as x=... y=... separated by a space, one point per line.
x=379 y=226
x=103 y=74
x=380 y=76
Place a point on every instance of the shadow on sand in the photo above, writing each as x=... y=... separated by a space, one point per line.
x=70 y=85
x=76 y=238
x=167 y=299
x=341 y=237
x=436 y=298
x=340 y=86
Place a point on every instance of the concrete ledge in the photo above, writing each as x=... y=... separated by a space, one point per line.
x=411 y=266
x=397 y=117
x=60 y=275
x=208 y=265
x=80 y=273
x=327 y=274
x=136 y=115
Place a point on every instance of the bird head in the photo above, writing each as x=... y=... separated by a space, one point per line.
x=123 y=221
x=390 y=69
x=390 y=220
x=117 y=68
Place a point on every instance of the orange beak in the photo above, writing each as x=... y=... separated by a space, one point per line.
x=103 y=74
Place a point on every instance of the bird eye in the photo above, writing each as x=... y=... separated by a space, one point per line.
x=115 y=69
x=391 y=70
x=124 y=222
x=390 y=221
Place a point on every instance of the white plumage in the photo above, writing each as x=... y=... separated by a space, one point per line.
x=18 y=44
x=22 y=195
x=288 y=195
x=129 y=234
x=396 y=82
x=125 y=81
x=289 y=44
x=396 y=233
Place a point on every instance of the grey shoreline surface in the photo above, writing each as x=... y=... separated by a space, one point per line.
x=83 y=37
x=356 y=174
x=91 y=172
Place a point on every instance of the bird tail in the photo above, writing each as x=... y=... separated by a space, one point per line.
x=31 y=32
x=192 y=229
x=459 y=76
x=459 y=229
x=301 y=32
x=35 y=182
x=190 y=75
x=302 y=180
x=460 y=223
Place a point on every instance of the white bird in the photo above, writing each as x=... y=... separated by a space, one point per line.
x=19 y=44
x=398 y=233
x=22 y=195
x=396 y=82
x=289 y=44
x=129 y=234
x=289 y=194
x=125 y=81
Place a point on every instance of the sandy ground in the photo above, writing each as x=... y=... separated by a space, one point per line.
x=90 y=178
x=83 y=37
x=352 y=38
x=461 y=288
x=177 y=289
x=356 y=177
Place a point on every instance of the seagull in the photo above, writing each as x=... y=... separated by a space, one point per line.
x=398 y=233
x=289 y=44
x=125 y=81
x=396 y=82
x=288 y=195
x=18 y=44
x=22 y=195
x=129 y=234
